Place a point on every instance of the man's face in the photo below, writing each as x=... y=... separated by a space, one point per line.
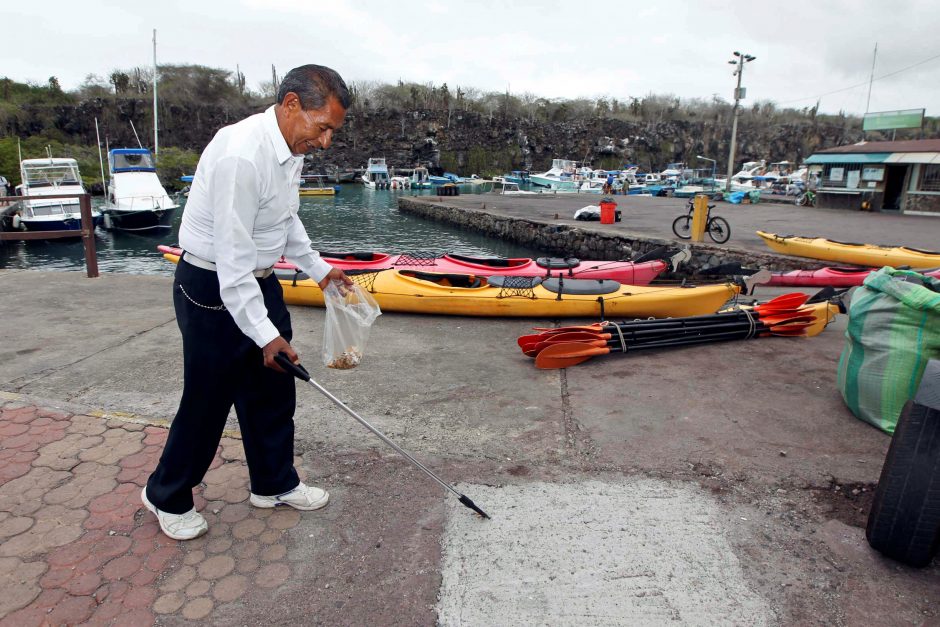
x=307 y=130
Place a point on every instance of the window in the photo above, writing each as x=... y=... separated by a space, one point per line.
x=837 y=175
x=929 y=178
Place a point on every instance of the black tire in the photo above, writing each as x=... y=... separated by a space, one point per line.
x=800 y=200
x=904 y=523
x=719 y=230
x=682 y=227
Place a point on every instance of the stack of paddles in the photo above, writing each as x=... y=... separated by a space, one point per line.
x=786 y=316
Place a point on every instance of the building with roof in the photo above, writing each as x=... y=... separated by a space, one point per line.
x=901 y=176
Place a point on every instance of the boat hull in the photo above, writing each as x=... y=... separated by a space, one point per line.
x=836 y=277
x=137 y=221
x=858 y=254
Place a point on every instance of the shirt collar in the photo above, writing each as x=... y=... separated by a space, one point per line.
x=281 y=149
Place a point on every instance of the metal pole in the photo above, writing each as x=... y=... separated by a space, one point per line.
x=734 y=125
x=88 y=236
x=156 y=116
x=872 y=79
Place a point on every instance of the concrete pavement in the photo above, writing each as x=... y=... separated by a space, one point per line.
x=720 y=484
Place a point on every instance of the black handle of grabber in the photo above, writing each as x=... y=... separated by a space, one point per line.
x=291 y=368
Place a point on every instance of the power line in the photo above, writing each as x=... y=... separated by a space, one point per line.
x=856 y=86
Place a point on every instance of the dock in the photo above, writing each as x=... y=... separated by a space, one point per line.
x=720 y=484
x=546 y=222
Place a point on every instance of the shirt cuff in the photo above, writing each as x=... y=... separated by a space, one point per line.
x=319 y=270
x=262 y=333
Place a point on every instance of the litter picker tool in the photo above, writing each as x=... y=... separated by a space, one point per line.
x=301 y=373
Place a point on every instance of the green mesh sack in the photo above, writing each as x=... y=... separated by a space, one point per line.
x=893 y=330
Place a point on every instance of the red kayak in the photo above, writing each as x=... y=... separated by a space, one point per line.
x=627 y=272
x=836 y=277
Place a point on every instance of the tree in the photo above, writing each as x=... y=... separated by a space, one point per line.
x=54 y=84
x=121 y=82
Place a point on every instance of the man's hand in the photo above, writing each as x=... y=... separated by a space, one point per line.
x=335 y=275
x=275 y=346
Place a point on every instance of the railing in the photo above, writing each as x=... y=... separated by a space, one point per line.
x=87 y=230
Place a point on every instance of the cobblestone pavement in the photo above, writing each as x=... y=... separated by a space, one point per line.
x=77 y=546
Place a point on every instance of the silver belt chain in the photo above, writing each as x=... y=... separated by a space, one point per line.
x=189 y=298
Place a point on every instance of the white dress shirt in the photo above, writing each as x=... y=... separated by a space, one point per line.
x=242 y=215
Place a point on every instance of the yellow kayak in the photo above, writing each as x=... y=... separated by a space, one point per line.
x=857 y=254
x=470 y=295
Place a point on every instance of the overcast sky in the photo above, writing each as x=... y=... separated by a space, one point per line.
x=567 y=49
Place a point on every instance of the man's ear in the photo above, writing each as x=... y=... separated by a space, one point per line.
x=291 y=101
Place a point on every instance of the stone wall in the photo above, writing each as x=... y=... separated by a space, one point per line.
x=573 y=241
x=926 y=203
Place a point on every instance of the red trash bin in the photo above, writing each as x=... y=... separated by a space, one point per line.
x=608 y=211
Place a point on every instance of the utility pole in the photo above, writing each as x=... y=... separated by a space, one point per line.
x=738 y=96
x=872 y=78
x=156 y=115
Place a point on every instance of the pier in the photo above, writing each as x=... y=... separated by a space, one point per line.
x=546 y=222
x=725 y=483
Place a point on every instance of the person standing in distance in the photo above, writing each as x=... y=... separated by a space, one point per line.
x=240 y=218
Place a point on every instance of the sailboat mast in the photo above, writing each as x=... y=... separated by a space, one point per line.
x=156 y=124
x=872 y=78
x=104 y=183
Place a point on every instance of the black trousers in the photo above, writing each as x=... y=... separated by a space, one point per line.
x=222 y=367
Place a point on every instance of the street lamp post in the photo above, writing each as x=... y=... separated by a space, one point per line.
x=738 y=95
x=714 y=167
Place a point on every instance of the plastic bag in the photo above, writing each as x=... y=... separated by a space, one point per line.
x=350 y=312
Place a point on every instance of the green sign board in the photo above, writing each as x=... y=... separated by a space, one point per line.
x=888 y=120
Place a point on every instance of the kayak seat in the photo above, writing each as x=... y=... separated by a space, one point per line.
x=445 y=280
x=555 y=263
x=351 y=256
x=581 y=286
x=494 y=262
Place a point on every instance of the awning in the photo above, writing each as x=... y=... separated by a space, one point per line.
x=914 y=157
x=864 y=157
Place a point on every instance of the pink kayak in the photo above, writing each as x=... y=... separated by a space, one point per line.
x=627 y=272
x=836 y=277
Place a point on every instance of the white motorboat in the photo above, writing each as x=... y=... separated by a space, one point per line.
x=562 y=175
x=376 y=174
x=136 y=201
x=50 y=177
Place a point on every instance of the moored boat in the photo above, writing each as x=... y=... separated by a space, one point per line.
x=844 y=252
x=561 y=176
x=835 y=276
x=627 y=272
x=376 y=175
x=136 y=200
x=313 y=185
x=50 y=177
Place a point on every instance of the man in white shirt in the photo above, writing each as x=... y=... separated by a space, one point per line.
x=240 y=218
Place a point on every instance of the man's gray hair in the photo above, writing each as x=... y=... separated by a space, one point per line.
x=314 y=85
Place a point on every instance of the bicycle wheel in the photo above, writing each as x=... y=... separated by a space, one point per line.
x=682 y=227
x=800 y=200
x=719 y=230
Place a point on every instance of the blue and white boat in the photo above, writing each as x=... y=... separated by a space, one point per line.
x=561 y=176
x=136 y=200
x=420 y=179
x=50 y=177
x=519 y=177
x=376 y=174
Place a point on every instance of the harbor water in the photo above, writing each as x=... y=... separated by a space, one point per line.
x=356 y=219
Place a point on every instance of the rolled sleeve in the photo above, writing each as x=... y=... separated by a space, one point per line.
x=235 y=190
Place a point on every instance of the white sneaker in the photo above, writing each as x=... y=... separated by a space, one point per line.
x=177 y=526
x=303 y=497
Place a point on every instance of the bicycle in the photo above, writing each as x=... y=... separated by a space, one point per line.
x=806 y=199
x=717 y=227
